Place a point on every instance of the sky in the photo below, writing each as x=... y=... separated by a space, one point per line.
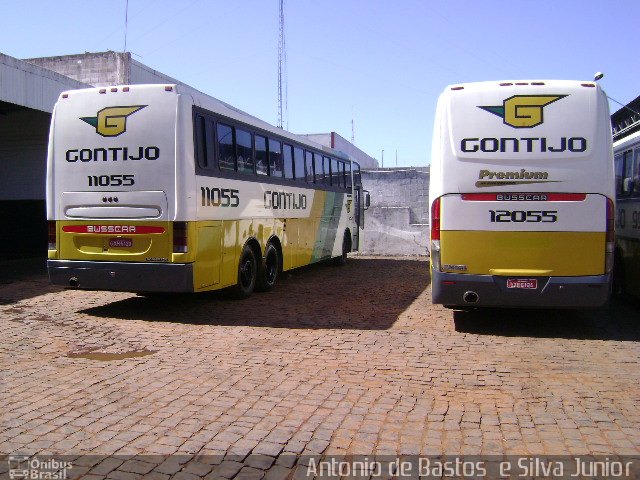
x=378 y=63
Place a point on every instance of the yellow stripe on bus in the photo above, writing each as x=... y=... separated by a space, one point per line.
x=524 y=253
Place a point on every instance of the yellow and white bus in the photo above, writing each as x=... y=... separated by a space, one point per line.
x=627 y=259
x=522 y=195
x=160 y=188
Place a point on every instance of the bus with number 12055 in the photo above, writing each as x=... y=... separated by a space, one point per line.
x=522 y=195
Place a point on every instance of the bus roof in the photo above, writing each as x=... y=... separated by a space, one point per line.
x=214 y=105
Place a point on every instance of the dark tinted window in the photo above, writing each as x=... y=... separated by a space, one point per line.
x=287 y=155
x=275 y=158
x=201 y=140
x=636 y=171
x=335 y=173
x=298 y=160
x=244 y=150
x=619 y=167
x=356 y=174
x=318 y=168
x=226 y=154
x=308 y=161
x=327 y=170
x=262 y=166
x=347 y=174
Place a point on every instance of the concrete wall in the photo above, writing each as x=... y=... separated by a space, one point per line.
x=97 y=69
x=102 y=69
x=397 y=223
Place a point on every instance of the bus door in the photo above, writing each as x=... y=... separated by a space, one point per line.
x=359 y=214
x=362 y=202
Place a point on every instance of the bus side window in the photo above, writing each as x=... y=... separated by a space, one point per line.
x=226 y=153
x=335 y=173
x=244 y=150
x=636 y=171
x=275 y=158
x=262 y=167
x=201 y=140
x=343 y=174
x=347 y=174
x=308 y=160
x=317 y=168
x=298 y=164
x=627 y=173
x=288 y=161
x=619 y=168
x=356 y=174
x=327 y=170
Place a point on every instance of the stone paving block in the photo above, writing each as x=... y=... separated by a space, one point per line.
x=347 y=371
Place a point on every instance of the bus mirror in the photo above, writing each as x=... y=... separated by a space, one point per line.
x=367 y=199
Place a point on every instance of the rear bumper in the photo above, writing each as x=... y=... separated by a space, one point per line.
x=122 y=276
x=552 y=292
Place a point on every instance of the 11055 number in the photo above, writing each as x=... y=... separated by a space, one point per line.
x=111 y=180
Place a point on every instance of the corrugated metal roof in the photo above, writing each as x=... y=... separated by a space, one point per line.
x=28 y=85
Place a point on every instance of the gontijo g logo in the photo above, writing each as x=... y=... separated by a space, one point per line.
x=112 y=121
x=523 y=111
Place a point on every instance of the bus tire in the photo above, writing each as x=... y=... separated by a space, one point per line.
x=269 y=269
x=346 y=248
x=247 y=274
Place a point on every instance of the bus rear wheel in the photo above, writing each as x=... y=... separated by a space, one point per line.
x=268 y=274
x=247 y=274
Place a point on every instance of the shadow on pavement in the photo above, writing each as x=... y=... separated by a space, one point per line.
x=620 y=321
x=364 y=294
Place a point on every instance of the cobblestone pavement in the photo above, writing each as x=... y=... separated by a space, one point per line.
x=351 y=360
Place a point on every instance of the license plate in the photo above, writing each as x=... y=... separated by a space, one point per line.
x=524 y=283
x=120 y=242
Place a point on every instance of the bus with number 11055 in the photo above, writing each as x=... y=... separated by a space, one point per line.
x=160 y=188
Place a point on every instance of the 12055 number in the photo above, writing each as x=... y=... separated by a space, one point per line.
x=521 y=216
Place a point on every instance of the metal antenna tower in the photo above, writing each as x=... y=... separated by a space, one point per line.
x=126 y=24
x=353 y=130
x=282 y=72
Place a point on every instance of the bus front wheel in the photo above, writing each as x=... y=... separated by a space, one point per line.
x=269 y=268
x=247 y=274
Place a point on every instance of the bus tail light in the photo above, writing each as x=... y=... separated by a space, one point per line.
x=52 y=244
x=435 y=234
x=180 y=237
x=610 y=237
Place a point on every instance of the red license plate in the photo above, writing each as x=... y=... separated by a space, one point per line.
x=120 y=242
x=525 y=283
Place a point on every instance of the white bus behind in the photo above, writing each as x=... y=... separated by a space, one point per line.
x=522 y=195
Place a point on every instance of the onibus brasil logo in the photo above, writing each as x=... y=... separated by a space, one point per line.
x=523 y=111
x=112 y=121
